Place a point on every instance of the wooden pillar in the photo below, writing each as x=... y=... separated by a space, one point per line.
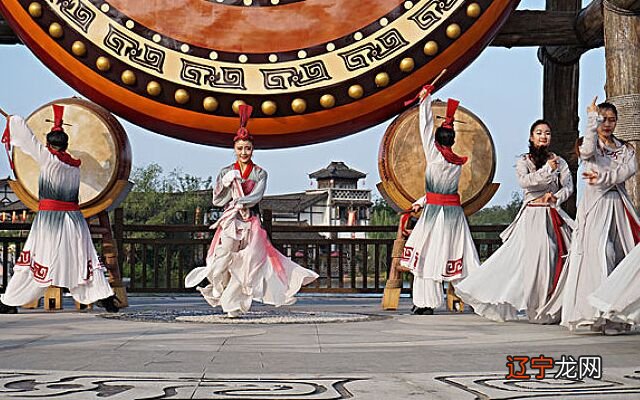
x=560 y=99
x=622 y=53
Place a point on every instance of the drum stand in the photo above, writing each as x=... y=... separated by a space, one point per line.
x=110 y=252
x=393 y=287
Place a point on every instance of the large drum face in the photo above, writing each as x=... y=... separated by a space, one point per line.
x=92 y=138
x=402 y=164
x=312 y=69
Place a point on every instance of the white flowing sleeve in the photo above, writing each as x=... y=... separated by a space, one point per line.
x=619 y=172
x=23 y=138
x=566 y=183
x=425 y=119
x=257 y=193
x=590 y=140
x=221 y=194
x=537 y=180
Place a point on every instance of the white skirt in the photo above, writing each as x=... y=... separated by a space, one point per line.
x=521 y=274
x=59 y=252
x=240 y=271
x=618 y=298
x=440 y=247
x=607 y=238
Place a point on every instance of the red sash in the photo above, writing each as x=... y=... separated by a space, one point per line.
x=57 y=205
x=443 y=199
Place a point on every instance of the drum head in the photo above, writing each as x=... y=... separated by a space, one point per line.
x=95 y=137
x=402 y=163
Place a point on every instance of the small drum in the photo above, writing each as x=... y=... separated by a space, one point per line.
x=402 y=164
x=97 y=139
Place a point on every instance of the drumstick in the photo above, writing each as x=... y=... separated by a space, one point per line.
x=437 y=78
x=4 y=113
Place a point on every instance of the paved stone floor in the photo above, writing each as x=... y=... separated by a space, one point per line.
x=80 y=355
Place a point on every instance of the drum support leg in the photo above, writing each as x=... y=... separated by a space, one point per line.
x=393 y=287
x=53 y=298
x=454 y=303
x=110 y=252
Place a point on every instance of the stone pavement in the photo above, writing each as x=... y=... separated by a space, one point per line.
x=80 y=355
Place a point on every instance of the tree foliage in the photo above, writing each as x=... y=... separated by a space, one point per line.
x=159 y=198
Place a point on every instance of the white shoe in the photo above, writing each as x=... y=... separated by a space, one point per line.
x=234 y=314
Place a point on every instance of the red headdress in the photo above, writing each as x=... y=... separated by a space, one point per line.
x=446 y=151
x=58 y=111
x=243 y=132
x=452 y=106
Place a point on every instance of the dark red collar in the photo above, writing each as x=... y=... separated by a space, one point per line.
x=450 y=156
x=247 y=171
x=64 y=157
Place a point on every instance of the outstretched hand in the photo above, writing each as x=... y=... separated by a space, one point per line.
x=593 y=107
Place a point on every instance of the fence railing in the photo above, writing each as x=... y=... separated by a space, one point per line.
x=156 y=258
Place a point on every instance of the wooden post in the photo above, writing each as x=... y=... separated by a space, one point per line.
x=560 y=100
x=622 y=54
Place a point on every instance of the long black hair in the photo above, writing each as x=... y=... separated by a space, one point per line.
x=539 y=155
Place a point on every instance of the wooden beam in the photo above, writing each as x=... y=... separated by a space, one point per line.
x=538 y=28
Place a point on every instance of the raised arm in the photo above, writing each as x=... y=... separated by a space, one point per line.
x=590 y=139
x=536 y=180
x=426 y=129
x=566 y=183
x=257 y=193
x=23 y=138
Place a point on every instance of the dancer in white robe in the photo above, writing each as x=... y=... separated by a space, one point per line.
x=242 y=265
x=607 y=226
x=440 y=247
x=618 y=298
x=523 y=273
x=58 y=250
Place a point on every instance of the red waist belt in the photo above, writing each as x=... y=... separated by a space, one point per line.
x=443 y=199
x=57 y=205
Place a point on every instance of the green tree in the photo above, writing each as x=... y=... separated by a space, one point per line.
x=158 y=198
x=499 y=214
x=383 y=214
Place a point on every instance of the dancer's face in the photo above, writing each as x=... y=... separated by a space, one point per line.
x=244 y=151
x=606 y=128
x=541 y=135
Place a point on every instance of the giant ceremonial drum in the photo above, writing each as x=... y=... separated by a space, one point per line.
x=402 y=164
x=313 y=70
x=97 y=139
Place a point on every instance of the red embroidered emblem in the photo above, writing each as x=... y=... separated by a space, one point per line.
x=453 y=268
x=406 y=253
x=39 y=272
x=25 y=258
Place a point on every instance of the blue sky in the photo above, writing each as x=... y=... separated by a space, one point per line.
x=502 y=86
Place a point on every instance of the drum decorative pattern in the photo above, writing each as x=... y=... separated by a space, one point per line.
x=313 y=69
